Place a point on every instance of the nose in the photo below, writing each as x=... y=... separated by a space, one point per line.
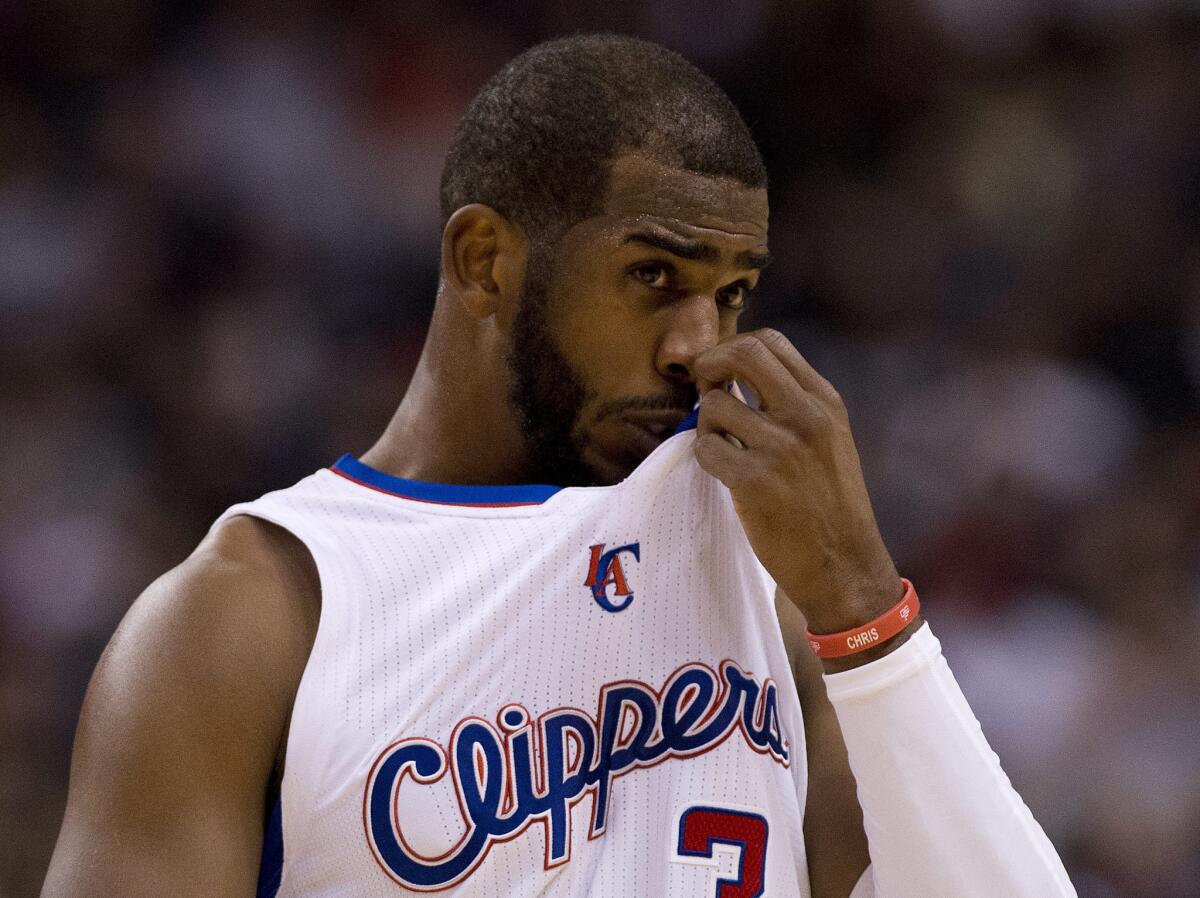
x=692 y=328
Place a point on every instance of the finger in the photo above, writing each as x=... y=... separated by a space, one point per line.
x=722 y=459
x=797 y=366
x=722 y=413
x=747 y=358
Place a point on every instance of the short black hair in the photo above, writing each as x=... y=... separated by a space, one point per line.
x=537 y=142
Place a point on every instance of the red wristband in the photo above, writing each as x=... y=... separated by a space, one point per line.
x=884 y=627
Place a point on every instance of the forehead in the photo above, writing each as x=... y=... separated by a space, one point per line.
x=642 y=190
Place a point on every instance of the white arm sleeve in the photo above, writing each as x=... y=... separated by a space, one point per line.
x=941 y=817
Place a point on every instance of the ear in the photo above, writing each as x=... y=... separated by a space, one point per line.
x=483 y=259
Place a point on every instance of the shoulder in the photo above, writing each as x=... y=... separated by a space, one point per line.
x=248 y=594
x=245 y=567
x=184 y=719
x=225 y=634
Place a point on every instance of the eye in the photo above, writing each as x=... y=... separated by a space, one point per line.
x=734 y=296
x=652 y=275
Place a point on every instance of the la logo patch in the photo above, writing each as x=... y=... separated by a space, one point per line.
x=605 y=570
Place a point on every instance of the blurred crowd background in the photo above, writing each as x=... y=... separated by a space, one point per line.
x=218 y=246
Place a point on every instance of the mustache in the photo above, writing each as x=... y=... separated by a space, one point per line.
x=682 y=402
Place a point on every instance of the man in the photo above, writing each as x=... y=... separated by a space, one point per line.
x=426 y=674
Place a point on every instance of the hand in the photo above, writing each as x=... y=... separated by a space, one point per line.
x=794 y=474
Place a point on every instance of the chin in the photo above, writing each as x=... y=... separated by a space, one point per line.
x=613 y=455
x=608 y=473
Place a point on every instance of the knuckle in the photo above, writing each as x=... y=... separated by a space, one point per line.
x=813 y=417
x=752 y=351
x=828 y=392
x=770 y=336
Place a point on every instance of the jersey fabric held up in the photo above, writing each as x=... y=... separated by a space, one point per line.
x=532 y=690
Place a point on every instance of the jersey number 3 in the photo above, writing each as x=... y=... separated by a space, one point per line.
x=701 y=827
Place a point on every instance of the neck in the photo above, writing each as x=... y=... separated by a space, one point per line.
x=455 y=423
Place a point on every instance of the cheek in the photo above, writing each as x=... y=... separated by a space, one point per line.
x=608 y=335
x=618 y=361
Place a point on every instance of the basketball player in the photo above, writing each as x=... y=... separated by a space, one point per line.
x=530 y=642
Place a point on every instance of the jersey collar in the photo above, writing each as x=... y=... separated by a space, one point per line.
x=442 y=493
x=507 y=496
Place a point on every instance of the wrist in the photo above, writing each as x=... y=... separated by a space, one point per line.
x=875 y=652
x=870 y=639
x=854 y=602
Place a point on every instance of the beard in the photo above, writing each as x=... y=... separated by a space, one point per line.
x=548 y=395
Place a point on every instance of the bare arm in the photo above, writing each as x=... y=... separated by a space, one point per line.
x=184 y=721
x=833 y=825
x=940 y=815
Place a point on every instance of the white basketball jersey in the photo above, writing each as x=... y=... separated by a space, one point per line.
x=528 y=690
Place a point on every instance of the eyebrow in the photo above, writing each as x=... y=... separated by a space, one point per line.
x=695 y=250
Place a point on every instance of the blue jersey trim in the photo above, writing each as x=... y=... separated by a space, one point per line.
x=689 y=423
x=270 y=870
x=443 y=493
